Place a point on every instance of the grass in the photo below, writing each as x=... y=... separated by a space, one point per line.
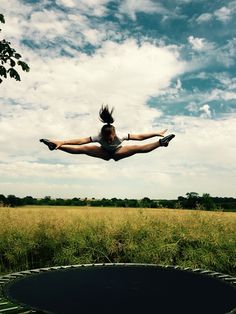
x=33 y=237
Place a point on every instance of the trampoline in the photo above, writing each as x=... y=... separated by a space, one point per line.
x=118 y=288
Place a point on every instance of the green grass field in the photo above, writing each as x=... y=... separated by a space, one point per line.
x=33 y=237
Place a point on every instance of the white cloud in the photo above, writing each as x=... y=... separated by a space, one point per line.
x=200 y=43
x=178 y=84
x=43 y=189
x=226 y=54
x=225 y=79
x=47 y=25
x=205 y=17
x=197 y=43
x=206 y=112
x=90 y=7
x=220 y=94
x=123 y=75
x=192 y=107
x=66 y=3
x=209 y=54
x=198 y=98
x=192 y=162
x=223 y=14
x=93 y=36
x=132 y=7
x=55 y=28
x=34 y=170
x=13 y=7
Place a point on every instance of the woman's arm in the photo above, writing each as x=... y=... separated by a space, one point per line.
x=79 y=141
x=141 y=137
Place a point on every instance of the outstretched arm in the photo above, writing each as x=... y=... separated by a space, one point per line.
x=141 y=137
x=79 y=141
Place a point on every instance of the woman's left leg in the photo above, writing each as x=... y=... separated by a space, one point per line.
x=127 y=151
x=90 y=150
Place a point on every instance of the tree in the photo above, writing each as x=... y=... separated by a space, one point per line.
x=208 y=202
x=9 y=58
x=2 y=200
x=192 y=199
x=192 y=195
x=145 y=202
x=46 y=200
x=29 y=200
x=13 y=200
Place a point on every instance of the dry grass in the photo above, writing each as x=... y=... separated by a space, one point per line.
x=44 y=236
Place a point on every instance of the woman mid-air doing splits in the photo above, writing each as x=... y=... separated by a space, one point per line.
x=110 y=141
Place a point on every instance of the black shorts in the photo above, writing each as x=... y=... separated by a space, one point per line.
x=111 y=153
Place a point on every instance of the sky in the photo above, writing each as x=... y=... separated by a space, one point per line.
x=160 y=64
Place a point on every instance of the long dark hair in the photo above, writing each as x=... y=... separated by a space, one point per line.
x=106 y=117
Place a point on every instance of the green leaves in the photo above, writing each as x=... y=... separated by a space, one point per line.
x=17 y=56
x=3 y=71
x=9 y=58
x=2 y=20
x=12 y=63
x=24 y=66
x=14 y=74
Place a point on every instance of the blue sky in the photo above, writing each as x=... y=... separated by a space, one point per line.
x=161 y=64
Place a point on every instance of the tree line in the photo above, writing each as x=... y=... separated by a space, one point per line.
x=192 y=200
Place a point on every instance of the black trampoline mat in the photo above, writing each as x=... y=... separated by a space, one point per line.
x=123 y=289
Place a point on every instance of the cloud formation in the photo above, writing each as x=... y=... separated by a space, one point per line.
x=223 y=14
x=132 y=7
x=136 y=56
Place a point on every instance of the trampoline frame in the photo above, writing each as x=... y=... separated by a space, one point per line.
x=8 y=306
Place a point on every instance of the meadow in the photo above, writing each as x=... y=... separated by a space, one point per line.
x=34 y=237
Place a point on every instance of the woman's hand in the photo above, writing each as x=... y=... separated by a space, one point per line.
x=57 y=143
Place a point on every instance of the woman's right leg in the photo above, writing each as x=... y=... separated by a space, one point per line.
x=90 y=150
x=128 y=151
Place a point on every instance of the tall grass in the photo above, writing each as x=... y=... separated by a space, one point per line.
x=33 y=237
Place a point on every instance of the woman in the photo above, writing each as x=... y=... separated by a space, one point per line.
x=110 y=141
